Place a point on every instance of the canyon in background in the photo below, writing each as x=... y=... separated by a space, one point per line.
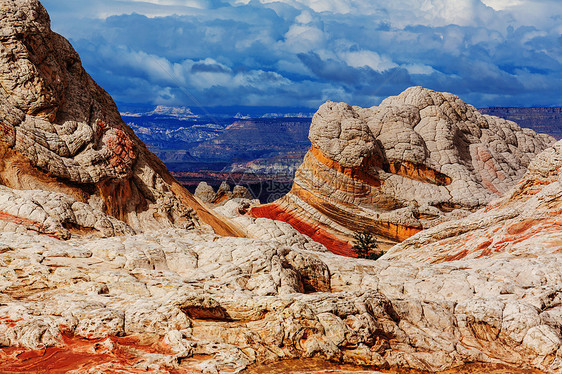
x=108 y=264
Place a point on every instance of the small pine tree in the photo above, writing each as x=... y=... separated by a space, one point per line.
x=366 y=245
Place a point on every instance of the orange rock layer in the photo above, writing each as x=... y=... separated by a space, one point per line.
x=276 y=212
x=354 y=222
x=81 y=355
x=352 y=186
x=358 y=173
x=501 y=239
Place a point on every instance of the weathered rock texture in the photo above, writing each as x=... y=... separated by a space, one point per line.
x=207 y=194
x=54 y=214
x=170 y=300
x=60 y=132
x=418 y=159
x=526 y=222
x=177 y=301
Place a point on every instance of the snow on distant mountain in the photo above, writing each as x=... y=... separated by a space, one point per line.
x=180 y=138
x=179 y=112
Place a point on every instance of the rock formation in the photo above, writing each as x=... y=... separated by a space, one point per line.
x=526 y=222
x=151 y=296
x=207 y=194
x=416 y=160
x=176 y=301
x=60 y=132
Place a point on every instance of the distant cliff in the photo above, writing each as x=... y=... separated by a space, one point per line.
x=542 y=120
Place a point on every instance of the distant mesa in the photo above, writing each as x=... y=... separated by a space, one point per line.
x=416 y=160
x=61 y=133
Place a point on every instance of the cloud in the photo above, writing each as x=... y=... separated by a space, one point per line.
x=370 y=59
x=302 y=52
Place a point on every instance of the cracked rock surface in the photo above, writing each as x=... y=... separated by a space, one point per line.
x=180 y=301
x=416 y=160
x=130 y=289
x=60 y=132
x=525 y=222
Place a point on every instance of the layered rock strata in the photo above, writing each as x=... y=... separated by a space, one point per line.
x=416 y=160
x=182 y=301
x=60 y=132
x=525 y=222
x=177 y=301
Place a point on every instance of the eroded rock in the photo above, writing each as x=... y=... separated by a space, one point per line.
x=416 y=160
x=60 y=132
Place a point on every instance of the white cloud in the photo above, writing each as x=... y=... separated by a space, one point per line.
x=419 y=69
x=303 y=38
x=502 y=4
x=369 y=59
x=304 y=18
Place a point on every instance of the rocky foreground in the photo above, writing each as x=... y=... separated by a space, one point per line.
x=107 y=265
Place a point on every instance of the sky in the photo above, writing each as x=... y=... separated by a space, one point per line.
x=304 y=52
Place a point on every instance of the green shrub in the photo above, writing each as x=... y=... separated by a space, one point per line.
x=366 y=245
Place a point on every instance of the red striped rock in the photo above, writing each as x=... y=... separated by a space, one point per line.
x=182 y=301
x=525 y=222
x=416 y=160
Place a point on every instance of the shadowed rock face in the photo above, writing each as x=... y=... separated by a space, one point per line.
x=60 y=132
x=418 y=159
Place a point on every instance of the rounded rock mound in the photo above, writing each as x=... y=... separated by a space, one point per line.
x=60 y=132
x=416 y=160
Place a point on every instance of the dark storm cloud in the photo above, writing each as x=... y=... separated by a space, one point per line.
x=302 y=52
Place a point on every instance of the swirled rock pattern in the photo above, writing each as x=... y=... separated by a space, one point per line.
x=418 y=159
x=59 y=131
x=525 y=222
x=150 y=296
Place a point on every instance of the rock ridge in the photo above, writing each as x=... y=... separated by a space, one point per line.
x=417 y=159
x=60 y=132
x=524 y=222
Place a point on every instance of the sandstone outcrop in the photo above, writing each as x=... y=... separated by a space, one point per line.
x=207 y=194
x=54 y=214
x=526 y=222
x=60 y=132
x=150 y=296
x=178 y=301
x=416 y=160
